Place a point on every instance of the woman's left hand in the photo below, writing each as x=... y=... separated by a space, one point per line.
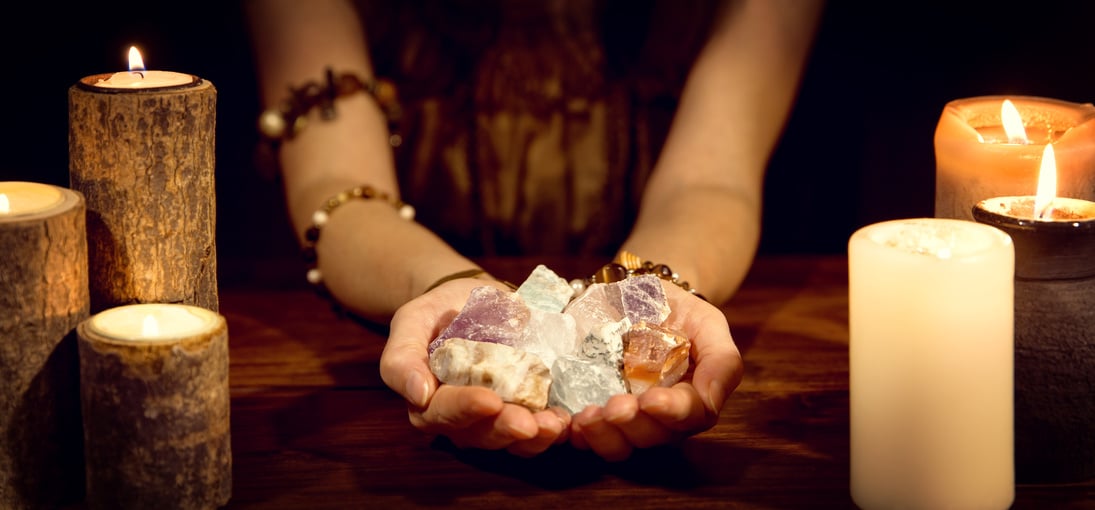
x=663 y=415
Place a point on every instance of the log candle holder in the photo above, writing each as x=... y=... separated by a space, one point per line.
x=144 y=159
x=154 y=394
x=1054 y=336
x=43 y=296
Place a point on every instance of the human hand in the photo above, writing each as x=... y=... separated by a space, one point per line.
x=470 y=416
x=661 y=415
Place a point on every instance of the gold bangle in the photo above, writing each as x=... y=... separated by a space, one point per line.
x=320 y=217
x=627 y=265
x=467 y=273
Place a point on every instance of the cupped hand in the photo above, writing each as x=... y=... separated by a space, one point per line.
x=470 y=416
x=663 y=415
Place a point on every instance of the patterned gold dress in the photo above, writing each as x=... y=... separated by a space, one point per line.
x=530 y=127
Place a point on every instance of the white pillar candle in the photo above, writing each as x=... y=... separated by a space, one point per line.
x=930 y=365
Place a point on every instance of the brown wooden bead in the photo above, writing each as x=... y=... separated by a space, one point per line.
x=609 y=273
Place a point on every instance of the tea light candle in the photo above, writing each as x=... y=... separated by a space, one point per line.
x=138 y=78
x=931 y=365
x=976 y=159
x=154 y=390
x=43 y=296
x=1054 y=329
x=143 y=156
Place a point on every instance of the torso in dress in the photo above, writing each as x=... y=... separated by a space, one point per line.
x=530 y=127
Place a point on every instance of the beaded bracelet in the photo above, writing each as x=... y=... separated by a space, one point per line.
x=319 y=219
x=289 y=118
x=626 y=265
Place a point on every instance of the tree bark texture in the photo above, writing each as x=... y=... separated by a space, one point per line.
x=43 y=297
x=144 y=160
x=156 y=420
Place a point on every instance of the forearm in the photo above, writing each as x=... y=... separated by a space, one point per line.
x=701 y=212
x=371 y=260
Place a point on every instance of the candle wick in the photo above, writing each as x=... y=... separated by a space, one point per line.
x=139 y=72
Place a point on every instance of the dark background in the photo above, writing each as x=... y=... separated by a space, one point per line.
x=857 y=149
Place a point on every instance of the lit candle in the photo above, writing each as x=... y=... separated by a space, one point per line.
x=23 y=198
x=154 y=389
x=139 y=78
x=977 y=158
x=1054 y=328
x=144 y=158
x=930 y=364
x=43 y=296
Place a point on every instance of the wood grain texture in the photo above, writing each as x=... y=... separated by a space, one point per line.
x=43 y=296
x=156 y=421
x=144 y=160
x=322 y=430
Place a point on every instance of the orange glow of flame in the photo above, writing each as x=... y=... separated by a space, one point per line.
x=136 y=63
x=1047 y=183
x=150 y=328
x=1013 y=123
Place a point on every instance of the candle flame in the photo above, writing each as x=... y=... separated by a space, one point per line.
x=150 y=328
x=1013 y=123
x=5 y=205
x=136 y=63
x=1047 y=183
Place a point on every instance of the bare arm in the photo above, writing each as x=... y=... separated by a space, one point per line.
x=701 y=209
x=365 y=245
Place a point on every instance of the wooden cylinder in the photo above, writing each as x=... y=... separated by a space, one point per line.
x=156 y=412
x=43 y=296
x=144 y=160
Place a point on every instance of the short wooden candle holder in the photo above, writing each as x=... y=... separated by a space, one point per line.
x=43 y=296
x=156 y=408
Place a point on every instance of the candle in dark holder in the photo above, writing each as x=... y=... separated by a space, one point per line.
x=141 y=150
x=1054 y=328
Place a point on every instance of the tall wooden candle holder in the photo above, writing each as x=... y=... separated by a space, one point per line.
x=154 y=393
x=43 y=296
x=144 y=160
x=1054 y=339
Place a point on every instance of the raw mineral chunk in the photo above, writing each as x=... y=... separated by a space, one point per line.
x=597 y=305
x=577 y=383
x=490 y=315
x=642 y=299
x=516 y=376
x=605 y=344
x=654 y=356
x=548 y=335
x=545 y=290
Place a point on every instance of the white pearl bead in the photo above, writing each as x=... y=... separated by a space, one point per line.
x=272 y=124
x=406 y=212
x=578 y=285
x=314 y=276
x=319 y=218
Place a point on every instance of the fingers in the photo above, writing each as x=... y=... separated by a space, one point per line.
x=554 y=425
x=404 y=364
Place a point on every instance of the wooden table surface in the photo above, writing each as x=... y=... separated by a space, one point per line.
x=313 y=425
